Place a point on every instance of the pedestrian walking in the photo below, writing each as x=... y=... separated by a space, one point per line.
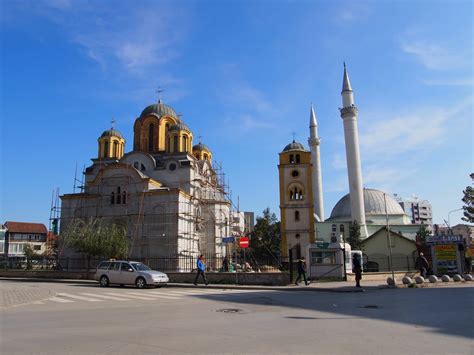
x=225 y=264
x=201 y=269
x=301 y=271
x=357 y=269
x=422 y=264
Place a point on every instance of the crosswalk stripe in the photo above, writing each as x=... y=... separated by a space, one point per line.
x=81 y=298
x=189 y=293
x=126 y=295
x=59 y=300
x=105 y=297
x=154 y=295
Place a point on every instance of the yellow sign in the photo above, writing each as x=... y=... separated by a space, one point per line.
x=445 y=252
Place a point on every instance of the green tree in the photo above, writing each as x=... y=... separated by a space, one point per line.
x=266 y=236
x=29 y=254
x=355 y=239
x=422 y=234
x=468 y=200
x=93 y=237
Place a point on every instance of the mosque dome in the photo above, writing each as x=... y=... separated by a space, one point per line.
x=201 y=146
x=294 y=146
x=373 y=202
x=160 y=109
x=179 y=127
x=111 y=133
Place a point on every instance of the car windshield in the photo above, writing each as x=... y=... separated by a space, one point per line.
x=140 y=267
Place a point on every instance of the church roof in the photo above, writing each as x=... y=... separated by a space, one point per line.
x=373 y=203
x=179 y=127
x=111 y=133
x=294 y=146
x=160 y=109
x=201 y=146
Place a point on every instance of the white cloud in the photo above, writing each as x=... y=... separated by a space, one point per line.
x=349 y=12
x=338 y=162
x=449 y=82
x=436 y=57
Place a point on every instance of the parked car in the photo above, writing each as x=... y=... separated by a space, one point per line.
x=128 y=273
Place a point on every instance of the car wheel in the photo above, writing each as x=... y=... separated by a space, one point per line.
x=140 y=283
x=122 y=285
x=104 y=281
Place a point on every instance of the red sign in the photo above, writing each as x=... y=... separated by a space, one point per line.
x=244 y=242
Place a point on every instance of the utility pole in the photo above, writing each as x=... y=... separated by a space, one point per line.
x=388 y=237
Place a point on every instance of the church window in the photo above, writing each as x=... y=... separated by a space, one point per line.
x=297 y=236
x=142 y=167
x=297 y=159
x=295 y=173
x=292 y=159
x=341 y=228
x=175 y=144
x=185 y=143
x=112 y=198
x=106 y=149
x=124 y=197
x=296 y=194
x=115 y=149
x=119 y=199
x=205 y=156
x=334 y=228
x=151 y=128
x=297 y=215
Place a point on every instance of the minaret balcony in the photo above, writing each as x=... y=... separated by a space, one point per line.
x=313 y=141
x=349 y=111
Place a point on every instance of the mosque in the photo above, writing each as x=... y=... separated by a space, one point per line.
x=166 y=191
x=304 y=227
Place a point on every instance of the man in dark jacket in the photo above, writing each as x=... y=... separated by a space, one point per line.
x=422 y=264
x=201 y=269
x=357 y=269
x=301 y=271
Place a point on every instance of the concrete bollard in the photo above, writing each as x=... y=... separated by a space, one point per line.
x=457 y=278
x=391 y=282
x=445 y=278
x=407 y=280
x=420 y=280
x=468 y=277
x=433 y=279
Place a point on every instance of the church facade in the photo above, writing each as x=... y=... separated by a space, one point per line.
x=165 y=191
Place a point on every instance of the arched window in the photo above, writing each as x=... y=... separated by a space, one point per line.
x=185 y=143
x=341 y=228
x=298 y=159
x=296 y=193
x=175 y=144
x=106 y=149
x=297 y=215
x=124 y=197
x=151 y=135
x=205 y=156
x=119 y=200
x=116 y=149
x=292 y=159
x=112 y=198
x=334 y=228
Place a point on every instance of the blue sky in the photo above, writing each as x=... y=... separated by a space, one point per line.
x=243 y=74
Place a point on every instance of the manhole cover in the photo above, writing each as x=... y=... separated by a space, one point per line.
x=370 y=306
x=230 y=310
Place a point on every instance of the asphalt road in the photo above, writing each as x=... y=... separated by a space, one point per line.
x=87 y=319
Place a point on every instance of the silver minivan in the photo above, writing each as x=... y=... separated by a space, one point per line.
x=123 y=272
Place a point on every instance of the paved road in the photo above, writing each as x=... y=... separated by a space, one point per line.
x=86 y=319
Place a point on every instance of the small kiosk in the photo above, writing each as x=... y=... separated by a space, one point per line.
x=447 y=252
x=326 y=260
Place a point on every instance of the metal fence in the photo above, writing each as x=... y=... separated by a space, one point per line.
x=382 y=263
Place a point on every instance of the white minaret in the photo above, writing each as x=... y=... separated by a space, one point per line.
x=316 y=179
x=351 y=134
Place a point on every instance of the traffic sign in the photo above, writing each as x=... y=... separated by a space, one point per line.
x=228 y=239
x=244 y=242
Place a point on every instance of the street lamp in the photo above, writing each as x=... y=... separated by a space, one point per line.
x=449 y=214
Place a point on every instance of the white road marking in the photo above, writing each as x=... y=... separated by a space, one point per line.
x=127 y=295
x=154 y=295
x=105 y=297
x=59 y=300
x=82 y=298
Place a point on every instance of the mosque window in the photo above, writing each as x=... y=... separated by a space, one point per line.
x=112 y=198
x=151 y=128
x=106 y=149
x=297 y=215
x=119 y=196
x=334 y=228
x=297 y=159
x=341 y=228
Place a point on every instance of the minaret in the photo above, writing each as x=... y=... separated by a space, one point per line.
x=316 y=179
x=349 y=116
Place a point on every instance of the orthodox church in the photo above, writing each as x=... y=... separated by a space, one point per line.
x=303 y=222
x=165 y=191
